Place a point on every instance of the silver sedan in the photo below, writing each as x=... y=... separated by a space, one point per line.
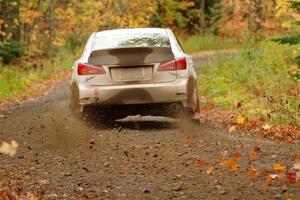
x=134 y=67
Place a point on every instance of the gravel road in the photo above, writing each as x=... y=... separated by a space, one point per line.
x=62 y=157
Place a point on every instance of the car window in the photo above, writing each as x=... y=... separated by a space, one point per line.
x=132 y=40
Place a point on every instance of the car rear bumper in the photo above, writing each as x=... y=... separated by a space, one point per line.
x=134 y=93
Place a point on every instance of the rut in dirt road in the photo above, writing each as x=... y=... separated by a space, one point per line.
x=61 y=157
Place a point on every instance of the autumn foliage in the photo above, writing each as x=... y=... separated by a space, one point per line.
x=35 y=27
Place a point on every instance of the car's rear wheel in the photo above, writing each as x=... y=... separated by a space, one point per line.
x=74 y=100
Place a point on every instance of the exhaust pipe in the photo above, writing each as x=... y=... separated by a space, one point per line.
x=174 y=107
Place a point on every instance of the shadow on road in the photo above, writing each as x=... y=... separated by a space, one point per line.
x=135 y=119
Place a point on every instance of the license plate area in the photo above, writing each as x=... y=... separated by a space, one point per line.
x=131 y=73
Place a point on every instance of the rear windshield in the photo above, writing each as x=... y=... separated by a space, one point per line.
x=132 y=40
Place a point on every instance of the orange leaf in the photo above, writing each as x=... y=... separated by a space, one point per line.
x=266 y=127
x=297 y=166
x=252 y=155
x=221 y=160
x=240 y=119
x=232 y=165
x=252 y=172
x=268 y=181
x=236 y=155
x=187 y=139
x=201 y=163
x=210 y=170
x=278 y=167
x=232 y=129
x=281 y=175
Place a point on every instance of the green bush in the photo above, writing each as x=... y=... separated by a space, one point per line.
x=10 y=50
x=76 y=41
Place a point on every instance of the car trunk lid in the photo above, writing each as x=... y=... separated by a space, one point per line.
x=131 y=65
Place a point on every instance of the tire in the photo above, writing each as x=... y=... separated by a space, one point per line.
x=74 y=100
x=192 y=94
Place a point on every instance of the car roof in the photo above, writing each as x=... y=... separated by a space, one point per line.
x=131 y=31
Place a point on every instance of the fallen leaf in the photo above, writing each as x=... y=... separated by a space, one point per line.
x=253 y=173
x=187 y=139
x=297 y=166
x=269 y=180
x=292 y=177
x=266 y=127
x=232 y=165
x=210 y=170
x=274 y=176
x=9 y=148
x=278 y=167
x=232 y=129
x=221 y=160
x=236 y=155
x=201 y=163
x=132 y=147
x=238 y=147
x=281 y=175
x=240 y=119
x=252 y=155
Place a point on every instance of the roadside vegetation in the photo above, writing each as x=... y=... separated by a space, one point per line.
x=208 y=42
x=15 y=79
x=260 y=84
x=27 y=79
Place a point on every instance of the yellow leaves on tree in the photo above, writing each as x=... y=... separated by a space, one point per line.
x=286 y=13
x=28 y=16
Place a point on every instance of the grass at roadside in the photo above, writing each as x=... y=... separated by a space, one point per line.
x=261 y=85
x=24 y=80
x=207 y=42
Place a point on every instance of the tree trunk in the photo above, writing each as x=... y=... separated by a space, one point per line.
x=202 y=27
x=51 y=22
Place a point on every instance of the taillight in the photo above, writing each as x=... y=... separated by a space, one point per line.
x=87 y=69
x=179 y=64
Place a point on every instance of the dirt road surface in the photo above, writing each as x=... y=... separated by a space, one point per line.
x=62 y=157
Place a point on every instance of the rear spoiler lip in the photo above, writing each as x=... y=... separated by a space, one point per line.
x=131 y=55
x=148 y=47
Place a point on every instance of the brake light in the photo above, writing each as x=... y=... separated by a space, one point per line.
x=179 y=64
x=87 y=69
